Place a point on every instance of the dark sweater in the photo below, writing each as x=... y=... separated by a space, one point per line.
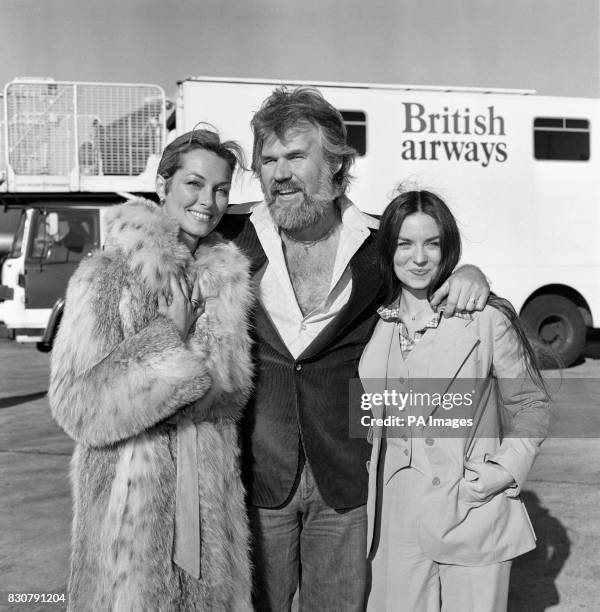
x=300 y=407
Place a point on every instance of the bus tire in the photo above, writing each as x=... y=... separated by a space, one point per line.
x=558 y=324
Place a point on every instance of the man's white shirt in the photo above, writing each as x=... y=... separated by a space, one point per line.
x=275 y=290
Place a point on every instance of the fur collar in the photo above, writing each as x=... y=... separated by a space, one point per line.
x=148 y=238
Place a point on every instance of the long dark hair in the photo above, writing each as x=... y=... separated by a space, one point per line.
x=411 y=202
x=403 y=205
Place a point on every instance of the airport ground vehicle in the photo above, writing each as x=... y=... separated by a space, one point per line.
x=69 y=150
x=516 y=168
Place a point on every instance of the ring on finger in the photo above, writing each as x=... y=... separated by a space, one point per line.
x=195 y=304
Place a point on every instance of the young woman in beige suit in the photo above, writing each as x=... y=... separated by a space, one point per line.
x=445 y=517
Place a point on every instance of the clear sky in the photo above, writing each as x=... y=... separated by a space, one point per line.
x=548 y=45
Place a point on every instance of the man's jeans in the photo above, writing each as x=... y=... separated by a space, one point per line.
x=308 y=543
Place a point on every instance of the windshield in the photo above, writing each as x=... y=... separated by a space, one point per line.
x=61 y=236
x=17 y=244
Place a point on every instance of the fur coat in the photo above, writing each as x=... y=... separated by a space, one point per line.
x=120 y=378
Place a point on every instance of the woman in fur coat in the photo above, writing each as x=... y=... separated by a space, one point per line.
x=150 y=370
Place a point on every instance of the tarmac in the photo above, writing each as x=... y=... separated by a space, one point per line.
x=562 y=494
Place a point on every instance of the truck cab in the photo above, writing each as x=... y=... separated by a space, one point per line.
x=51 y=239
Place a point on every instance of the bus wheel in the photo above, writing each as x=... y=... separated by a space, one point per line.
x=558 y=324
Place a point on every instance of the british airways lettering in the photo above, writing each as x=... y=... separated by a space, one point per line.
x=453 y=122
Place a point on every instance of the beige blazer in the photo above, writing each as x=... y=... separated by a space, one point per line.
x=454 y=528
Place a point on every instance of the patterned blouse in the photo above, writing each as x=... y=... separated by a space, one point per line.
x=408 y=342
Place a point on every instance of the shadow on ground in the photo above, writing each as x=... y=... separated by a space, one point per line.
x=533 y=577
x=9 y=402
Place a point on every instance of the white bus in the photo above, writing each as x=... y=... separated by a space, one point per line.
x=517 y=169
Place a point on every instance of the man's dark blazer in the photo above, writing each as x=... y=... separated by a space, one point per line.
x=300 y=407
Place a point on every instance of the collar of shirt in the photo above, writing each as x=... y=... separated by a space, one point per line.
x=407 y=342
x=275 y=291
x=354 y=231
x=391 y=313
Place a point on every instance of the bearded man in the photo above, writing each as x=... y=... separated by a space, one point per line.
x=312 y=252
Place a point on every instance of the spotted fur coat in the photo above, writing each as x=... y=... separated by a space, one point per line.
x=120 y=377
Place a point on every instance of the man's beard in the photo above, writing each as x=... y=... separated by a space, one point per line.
x=306 y=213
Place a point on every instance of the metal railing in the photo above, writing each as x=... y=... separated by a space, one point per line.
x=59 y=133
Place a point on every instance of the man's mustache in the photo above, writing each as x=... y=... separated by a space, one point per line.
x=277 y=187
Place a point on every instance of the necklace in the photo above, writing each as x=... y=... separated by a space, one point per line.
x=309 y=243
x=413 y=317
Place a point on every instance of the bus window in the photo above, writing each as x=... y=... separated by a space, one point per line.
x=561 y=139
x=356 y=127
x=64 y=236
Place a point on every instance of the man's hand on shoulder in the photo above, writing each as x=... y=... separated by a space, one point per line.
x=467 y=290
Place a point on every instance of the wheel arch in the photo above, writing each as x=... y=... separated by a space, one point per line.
x=47 y=341
x=567 y=292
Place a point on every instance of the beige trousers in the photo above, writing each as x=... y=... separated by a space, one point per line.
x=404 y=580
